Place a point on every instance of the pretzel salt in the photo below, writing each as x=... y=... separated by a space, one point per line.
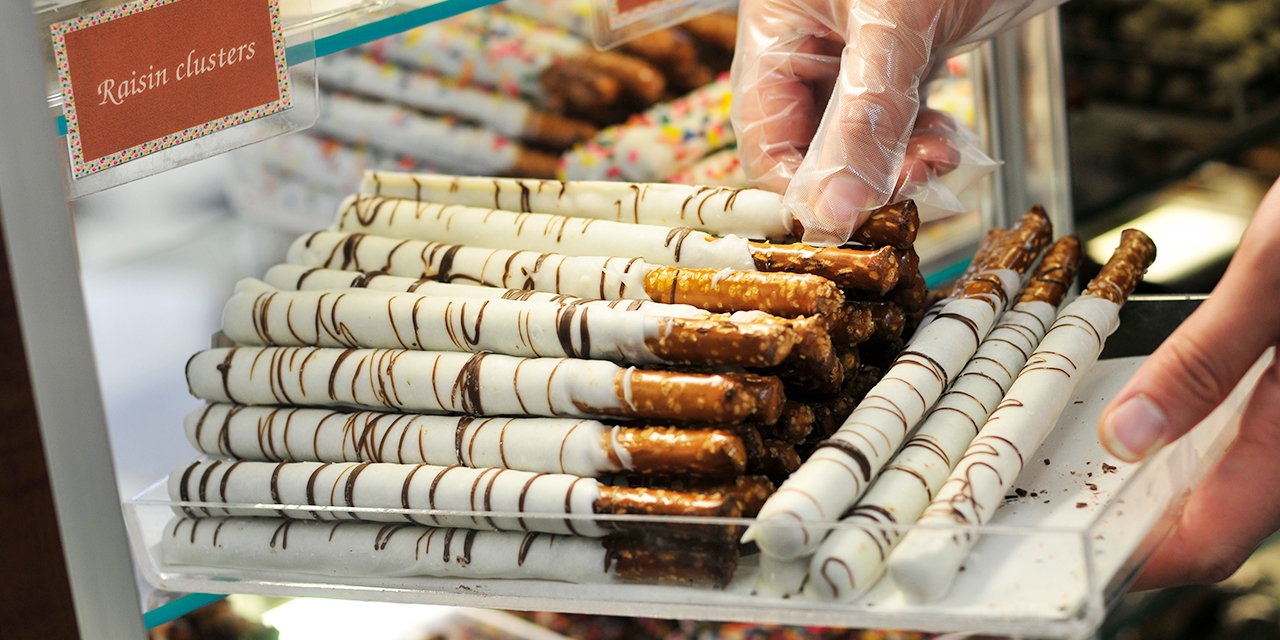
x=547 y=445
x=840 y=469
x=475 y=384
x=851 y=560
x=926 y=561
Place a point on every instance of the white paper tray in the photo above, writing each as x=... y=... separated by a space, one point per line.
x=1048 y=565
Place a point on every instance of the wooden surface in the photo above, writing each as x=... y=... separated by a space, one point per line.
x=35 y=596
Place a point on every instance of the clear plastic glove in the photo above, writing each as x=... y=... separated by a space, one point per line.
x=865 y=60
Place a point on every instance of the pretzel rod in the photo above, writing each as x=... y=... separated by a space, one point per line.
x=671 y=136
x=374 y=550
x=830 y=414
x=786 y=294
x=719 y=29
x=750 y=492
x=291 y=277
x=851 y=560
x=781 y=578
x=782 y=294
x=840 y=469
x=779 y=461
x=926 y=561
x=498 y=229
x=747 y=213
x=886 y=320
x=875 y=271
x=531 y=501
x=260 y=315
x=474 y=384
x=547 y=445
x=992 y=238
x=638 y=78
x=439 y=142
x=851 y=324
x=505 y=115
x=911 y=293
x=894 y=225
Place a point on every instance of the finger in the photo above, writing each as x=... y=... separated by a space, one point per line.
x=1203 y=359
x=857 y=155
x=934 y=121
x=1234 y=508
x=782 y=58
x=934 y=150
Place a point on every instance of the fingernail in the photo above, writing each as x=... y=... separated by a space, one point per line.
x=1136 y=428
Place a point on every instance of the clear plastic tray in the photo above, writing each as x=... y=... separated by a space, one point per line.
x=1048 y=565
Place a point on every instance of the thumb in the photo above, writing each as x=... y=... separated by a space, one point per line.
x=853 y=163
x=1199 y=364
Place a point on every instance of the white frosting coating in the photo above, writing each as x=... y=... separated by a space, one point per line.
x=851 y=560
x=260 y=315
x=749 y=213
x=298 y=434
x=781 y=578
x=426 y=381
x=364 y=74
x=586 y=277
x=926 y=561
x=1011 y=283
x=498 y=229
x=373 y=485
x=440 y=142
x=291 y=277
x=370 y=550
x=836 y=474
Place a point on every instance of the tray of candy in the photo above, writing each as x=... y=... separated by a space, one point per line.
x=1066 y=542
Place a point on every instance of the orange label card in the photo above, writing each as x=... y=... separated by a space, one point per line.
x=147 y=75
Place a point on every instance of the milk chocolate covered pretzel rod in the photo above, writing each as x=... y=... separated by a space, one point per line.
x=546 y=445
x=373 y=485
x=261 y=315
x=747 y=213
x=851 y=560
x=724 y=290
x=376 y=550
x=474 y=384
x=926 y=561
x=838 y=472
x=875 y=271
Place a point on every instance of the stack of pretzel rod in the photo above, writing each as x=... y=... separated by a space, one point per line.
x=437 y=354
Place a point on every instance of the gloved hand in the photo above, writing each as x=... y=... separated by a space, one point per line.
x=865 y=60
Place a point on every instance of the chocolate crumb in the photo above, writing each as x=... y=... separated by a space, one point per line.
x=1022 y=493
x=1106 y=468
x=1088 y=462
x=1092 y=486
x=1046 y=502
x=1046 y=462
x=1013 y=497
x=1078 y=402
x=1035 y=495
x=1081 y=505
x=1090 y=474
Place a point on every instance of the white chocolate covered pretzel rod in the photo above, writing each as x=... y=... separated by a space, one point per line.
x=838 y=472
x=258 y=314
x=292 y=277
x=529 y=501
x=872 y=270
x=474 y=384
x=926 y=561
x=723 y=290
x=375 y=550
x=851 y=560
x=546 y=445
x=747 y=213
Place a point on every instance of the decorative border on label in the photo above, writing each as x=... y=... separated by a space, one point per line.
x=80 y=168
